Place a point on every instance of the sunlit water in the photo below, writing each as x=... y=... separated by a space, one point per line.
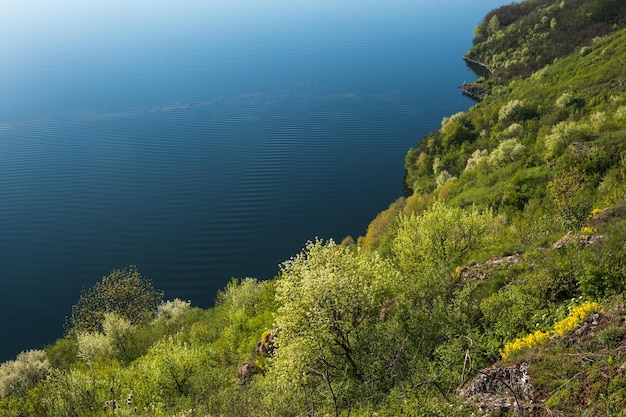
x=201 y=141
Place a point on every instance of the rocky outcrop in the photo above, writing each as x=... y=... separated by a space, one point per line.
x=474 y=91
x=246 y=370
x=477 y=63
x=500 y=390
x=587 y=328
x=484 y=270
x=580 y=240
x=266 y=345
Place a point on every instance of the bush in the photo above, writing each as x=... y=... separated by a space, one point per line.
x=603 y=269
x=563 y=134
x=444 y=177
x=171 y=310
x=570 y=198
x=23 y=373
x=509 y=150
x=477 y=157
x=513 y=111
x=566 y=99
x=124 y=292
x=333 y=335
x=442 y=236
x=611 y=336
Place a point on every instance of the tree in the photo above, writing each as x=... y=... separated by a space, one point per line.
x=331 y=325
x=123 y=292
x=564 y=133
x=513 y=111
x=19 y=375
x=570 y=199
x=441 y=237
x=508 y=150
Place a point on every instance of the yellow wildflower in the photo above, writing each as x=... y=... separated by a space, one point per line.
x=575 y=318
x=561 y=328
x=595 y=212
x=587 y=230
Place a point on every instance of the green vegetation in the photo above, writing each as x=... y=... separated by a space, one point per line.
x=507 y=259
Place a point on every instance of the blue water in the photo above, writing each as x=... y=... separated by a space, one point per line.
x=202 y=140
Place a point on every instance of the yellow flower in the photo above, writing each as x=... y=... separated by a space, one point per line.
x=531 y=340
x=457 y=272
x=575 y=318
x=595 y=212
x=561 y=328
x=587 y=230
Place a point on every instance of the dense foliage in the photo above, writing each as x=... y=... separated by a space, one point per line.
x=509 y=248
x=124 y=292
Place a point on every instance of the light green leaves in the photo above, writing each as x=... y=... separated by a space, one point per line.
x=442 y=236
x=329 y=318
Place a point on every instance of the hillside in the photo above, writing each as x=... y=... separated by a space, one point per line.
x=495 y=286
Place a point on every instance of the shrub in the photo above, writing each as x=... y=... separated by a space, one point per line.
x=515 y=129
x=446 y=122
x=23 y=373
x=330 y=331
x=93 y=346
x=443 y=177
x=598 y=121
x=124 y=292
x=509 y=150
x=613 y=187
x=513 y=111
x=611 y=336
x=563 y=134
x=442 y=236
x=380 y=227
x=477 y=157
x=620 y=114
x=568 y=194
x=604 y=268
x=566 y=99
x=171 y=310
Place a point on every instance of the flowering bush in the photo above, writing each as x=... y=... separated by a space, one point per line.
x=19 y=375
x=561 y=328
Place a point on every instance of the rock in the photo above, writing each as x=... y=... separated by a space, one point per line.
x=266 y=345
x=246 y=370
x=474 y=91
x=562 y=242
x=582 y=240
x=499 y=390
x=484 y=270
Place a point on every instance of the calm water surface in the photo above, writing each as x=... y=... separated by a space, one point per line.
x=202 y=140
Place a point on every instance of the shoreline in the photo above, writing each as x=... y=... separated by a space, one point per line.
x=478 y=63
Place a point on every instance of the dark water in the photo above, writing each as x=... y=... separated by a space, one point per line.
x=202 y=141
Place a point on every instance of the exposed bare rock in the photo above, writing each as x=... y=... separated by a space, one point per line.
x=474 y=91
x=266 y=345
x=586 y=240
x=499 y=390
x=485 y=269
x=586 y=328
x=246 y=370
x=562 y=242
x=477 y=63
x=581 y=240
